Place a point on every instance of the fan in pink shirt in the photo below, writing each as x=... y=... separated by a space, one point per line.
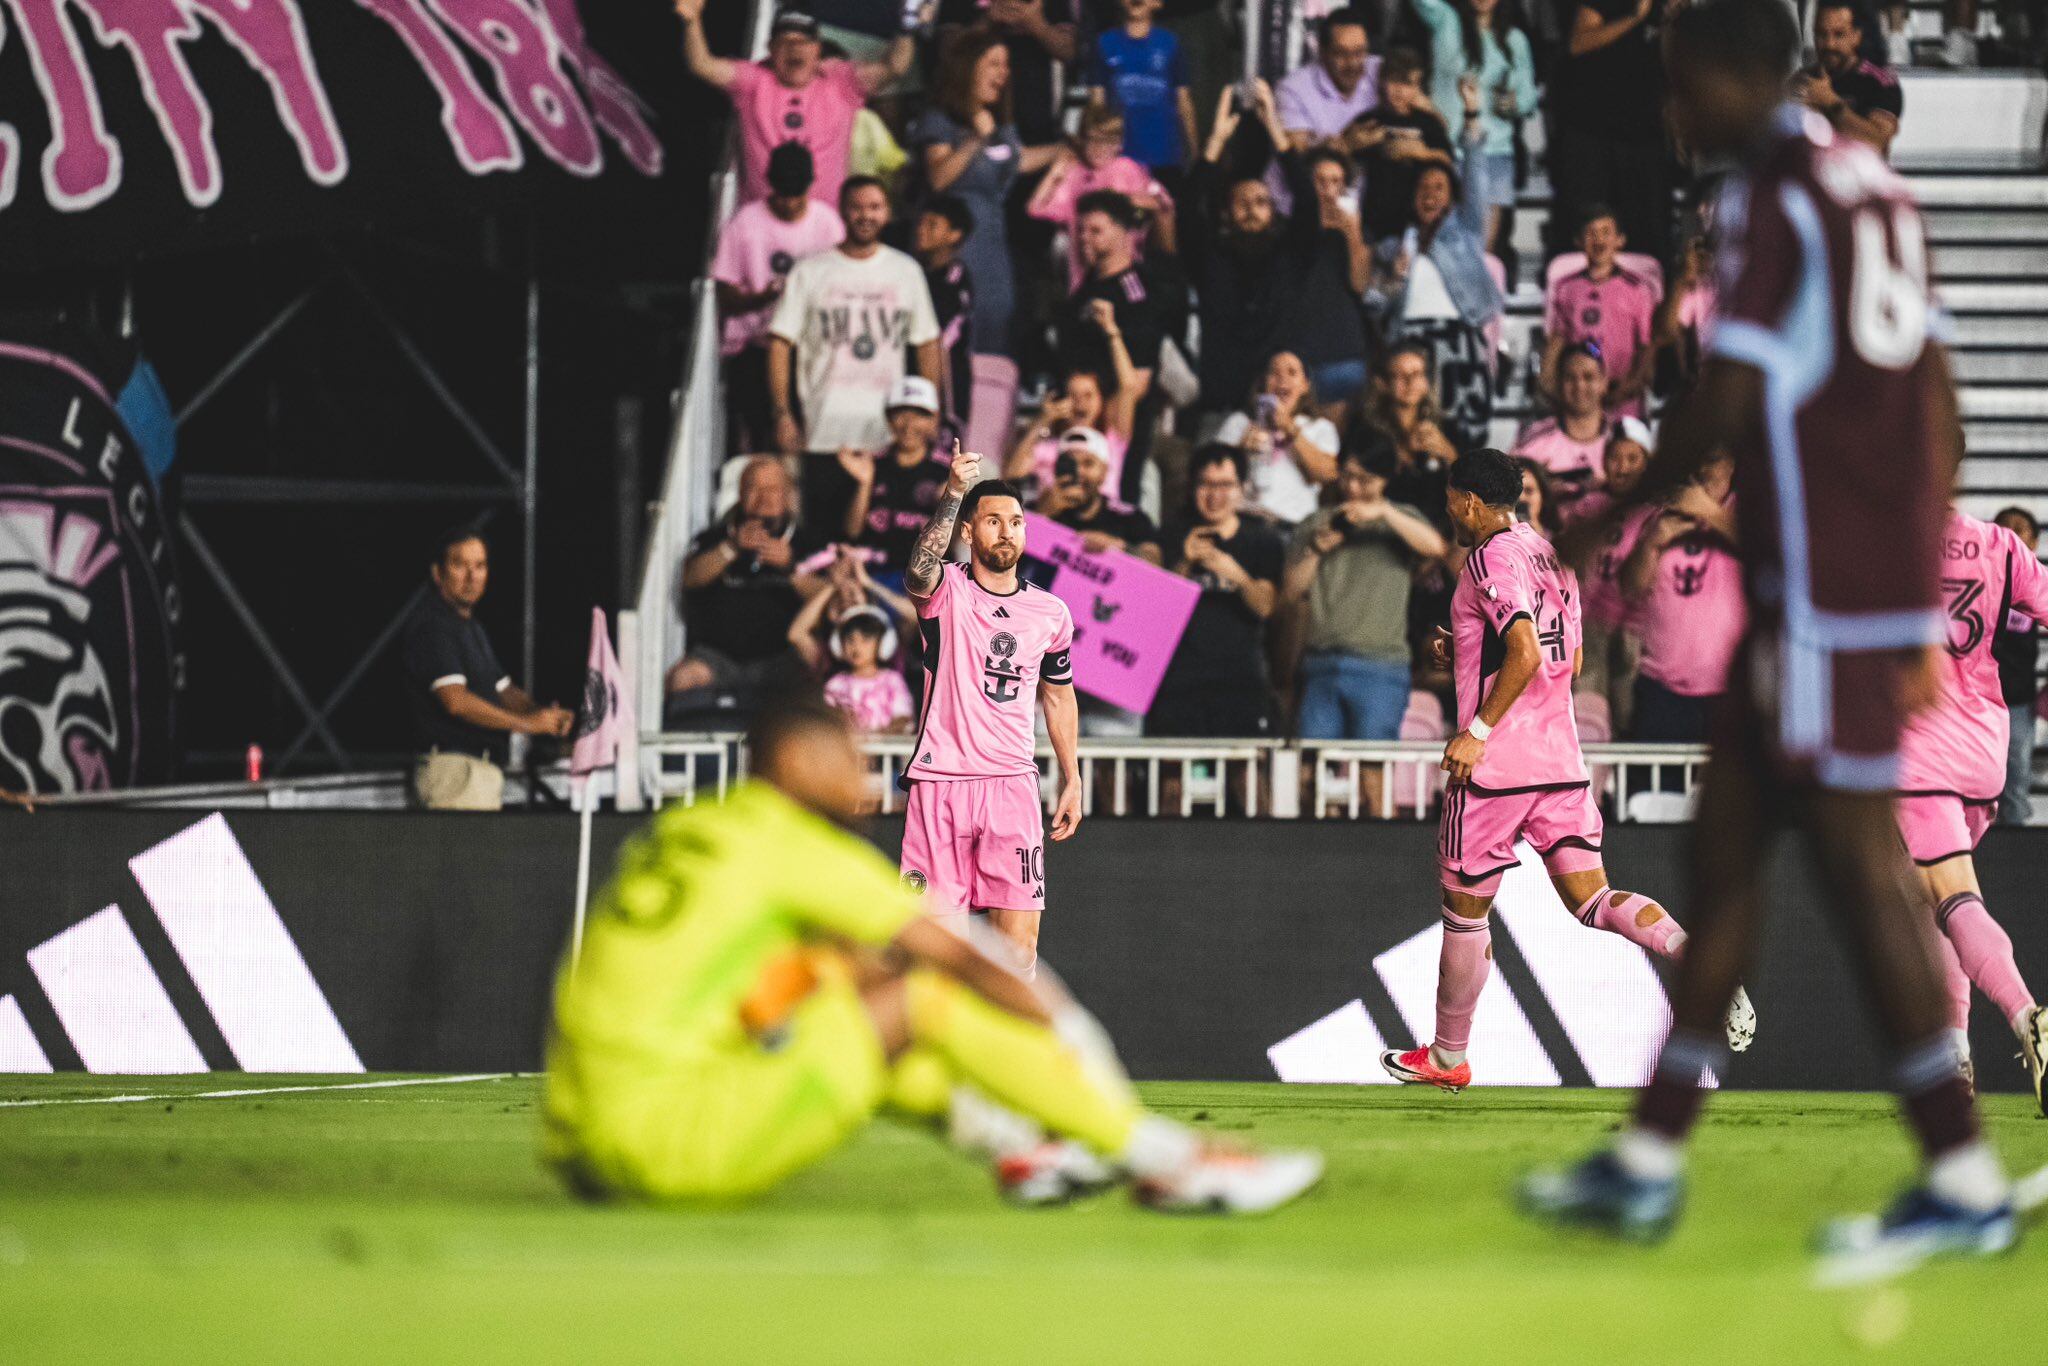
x=1571 y=446
x=995 y=648
x=793 y=96
x=1683 y=583
x=1952 y=766
x=1608 y=307
x=761 y=241
x=1099 y=164
x=1612 y=650
x=873 y=696
x=1516 y=772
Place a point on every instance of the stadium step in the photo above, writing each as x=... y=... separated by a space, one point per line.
x=1982 y=402
x=1999 y=331
x=2004 y=261
x=1983 y=473
x=2001 y=366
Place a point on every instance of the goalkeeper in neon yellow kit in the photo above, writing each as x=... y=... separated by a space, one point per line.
x=756 y=983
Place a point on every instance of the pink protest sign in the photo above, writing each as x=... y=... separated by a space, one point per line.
x=1128 y=615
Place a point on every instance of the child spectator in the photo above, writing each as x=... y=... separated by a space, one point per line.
x=1611 y=646
x=1569 y=447
x=896 y=488
x=874 y=698
x=1394 y=141
x=1606 y=304
x=1138 y=70
x=945 y=223
x=758 y=245
x=1095 y=161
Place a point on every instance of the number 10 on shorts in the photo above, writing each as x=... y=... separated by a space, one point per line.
x=1031 y=863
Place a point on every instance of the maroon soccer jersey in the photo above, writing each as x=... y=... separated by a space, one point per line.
x=1824 y=289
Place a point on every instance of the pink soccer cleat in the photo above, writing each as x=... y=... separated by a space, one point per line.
x=1417 y=1068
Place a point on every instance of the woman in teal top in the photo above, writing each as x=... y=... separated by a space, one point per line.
x=1482 y=37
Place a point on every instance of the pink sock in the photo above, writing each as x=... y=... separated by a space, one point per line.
x=1958 y=984
x=1461 y=969
x=1635 y=918
x=1985 y=952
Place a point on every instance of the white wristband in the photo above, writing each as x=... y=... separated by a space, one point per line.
x=1478 y=729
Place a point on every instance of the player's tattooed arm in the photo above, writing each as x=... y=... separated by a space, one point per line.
x=928 y=556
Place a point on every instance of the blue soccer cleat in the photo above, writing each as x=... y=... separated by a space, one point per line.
x=1598 y=1194
x=1920 y=1225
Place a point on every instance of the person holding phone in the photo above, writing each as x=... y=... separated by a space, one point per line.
x=1290 y=447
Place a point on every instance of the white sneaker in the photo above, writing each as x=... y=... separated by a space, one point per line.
x=2034 y=1052
x=1741 y=1022
x=1053 y=1173
x=1226 y=1181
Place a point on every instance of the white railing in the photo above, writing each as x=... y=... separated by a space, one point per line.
x=1390 y=781
x=696 y=443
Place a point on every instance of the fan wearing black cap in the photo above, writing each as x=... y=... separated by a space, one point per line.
x=796 y=95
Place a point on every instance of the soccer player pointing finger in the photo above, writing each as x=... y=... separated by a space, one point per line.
x=974 y=830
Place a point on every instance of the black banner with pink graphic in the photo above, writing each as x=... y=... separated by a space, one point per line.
x=136 y=127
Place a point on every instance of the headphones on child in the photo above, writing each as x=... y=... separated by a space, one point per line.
x=889 y=642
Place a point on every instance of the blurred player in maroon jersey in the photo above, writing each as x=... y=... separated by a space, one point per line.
x=1828 y=386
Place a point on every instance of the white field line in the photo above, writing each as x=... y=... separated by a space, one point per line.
x=258 y=1091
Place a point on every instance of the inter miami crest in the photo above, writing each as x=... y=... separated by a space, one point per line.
x=598 y=703
x=915 y=881
x=89 y=605
x=1000 y=673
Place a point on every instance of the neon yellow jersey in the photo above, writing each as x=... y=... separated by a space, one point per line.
x=701 y=902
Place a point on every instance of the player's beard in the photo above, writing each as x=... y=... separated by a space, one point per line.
x=998 y=559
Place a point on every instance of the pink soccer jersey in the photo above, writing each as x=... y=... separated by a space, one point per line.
x=1617 y=314
x=1515 y=574
x=1574 y=466
x=820 y=116
x=1600 y=590
x=1957 y=746
x=984 y=656
x=756 y=249
x=873 y=703
x=1691 y=621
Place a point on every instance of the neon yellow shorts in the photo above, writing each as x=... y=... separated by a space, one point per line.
x=743 y=1121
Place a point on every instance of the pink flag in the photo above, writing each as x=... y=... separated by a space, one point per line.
x=605 y=720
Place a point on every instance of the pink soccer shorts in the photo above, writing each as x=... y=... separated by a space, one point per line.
x=977 y=844
x=1940 y=825
x=1476 y=834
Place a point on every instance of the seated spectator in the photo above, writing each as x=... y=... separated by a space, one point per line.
x=1685 y=319
x=1353 y=565
x=794 y=96
x=1041 y=40
x=1290 y=447
x=1084 y=402
x=1859 y=98
x=836 y=347
x=1684 y=588
x=1095 y=161
x=1269 y=283
x=1318 y=102
x=1394 y=141
x=1609 y=306
x=1606 y=102
x=944 y=224
x=1431 y=285
x=1483 y=37
x=1611 y=648
x=1138 y=70
x=871 y=693
x=970 y=149
x=896 y=488
x=1403 y=412
x=2017 y=649
x=741 y=591
x=756 y=249
x=1075 y=499
x=1569 y=447
x=1216 y=685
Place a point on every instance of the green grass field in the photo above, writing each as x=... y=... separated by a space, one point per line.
x=412 y=1224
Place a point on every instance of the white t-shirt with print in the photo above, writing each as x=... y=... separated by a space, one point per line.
x=852 y=321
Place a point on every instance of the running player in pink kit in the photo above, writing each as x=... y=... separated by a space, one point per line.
x=974 y=832
x=1952 y=765
x=1515 y=766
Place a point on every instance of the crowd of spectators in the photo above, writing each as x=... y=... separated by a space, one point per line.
x=1236 y=329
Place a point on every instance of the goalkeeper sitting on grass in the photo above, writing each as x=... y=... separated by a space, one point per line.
x=756 y=983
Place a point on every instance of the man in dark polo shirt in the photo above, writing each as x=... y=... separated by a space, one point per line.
x=463 y=702
x=1858 y=97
